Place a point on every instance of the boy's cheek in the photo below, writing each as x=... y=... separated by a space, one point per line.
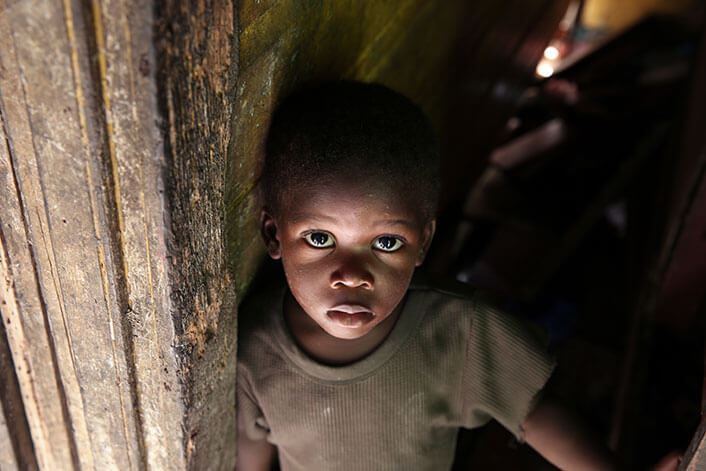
x=301 y=253
x=403 y=260
x=304 y=267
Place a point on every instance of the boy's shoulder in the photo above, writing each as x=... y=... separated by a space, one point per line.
x=450 y=289
x=472 y=306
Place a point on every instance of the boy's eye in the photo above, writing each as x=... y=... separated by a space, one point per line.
x=319 y=239
x=388 y=243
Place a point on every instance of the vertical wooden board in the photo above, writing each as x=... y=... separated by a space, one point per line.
x=84 y=330
x=11 y=242
x=33 y=351
x=198 y=65
x=695 y=455
x=81 y=316
x=215 y=401
x=7 y=454
x=135 y=153
x=15 y=281
x=109 y=402
x=395 y=61
x=154 y=220
x=246 y=243
x=256 y=96
x=59 y=183
x=16 y=450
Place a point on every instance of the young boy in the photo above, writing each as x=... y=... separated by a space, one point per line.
x=353 y=365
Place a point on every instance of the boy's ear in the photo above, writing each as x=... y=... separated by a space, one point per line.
x=268 y=231
x=427 y=237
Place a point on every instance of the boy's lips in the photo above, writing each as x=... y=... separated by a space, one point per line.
x=350 y=308
x=350 y=315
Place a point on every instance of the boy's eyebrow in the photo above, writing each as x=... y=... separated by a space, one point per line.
x=299 y=217
x=308 y=216
x=394 y=222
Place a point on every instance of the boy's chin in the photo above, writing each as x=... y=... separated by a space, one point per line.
x=343 y=333
x=348 y=329
x=348 y=321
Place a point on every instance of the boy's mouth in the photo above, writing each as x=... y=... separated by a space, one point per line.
x=350 y=315
x=351 y=308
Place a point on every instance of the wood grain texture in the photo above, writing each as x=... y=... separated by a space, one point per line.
x=29 y=268
x=695 y=455
x=83 y=236
x=16 y=449
x=7 y=454
x=198 y=67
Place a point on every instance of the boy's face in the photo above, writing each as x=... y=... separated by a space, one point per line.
x=348 y=251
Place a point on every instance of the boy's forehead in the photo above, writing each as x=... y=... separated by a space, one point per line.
x=341 y=194
x=376 y=184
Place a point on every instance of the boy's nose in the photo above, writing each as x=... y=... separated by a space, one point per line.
x=352 y=274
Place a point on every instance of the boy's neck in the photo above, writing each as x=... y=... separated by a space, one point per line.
x=330 y=350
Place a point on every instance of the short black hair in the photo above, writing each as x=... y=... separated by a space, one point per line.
x=351 y=129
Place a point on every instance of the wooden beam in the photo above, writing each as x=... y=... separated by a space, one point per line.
x=83 y=271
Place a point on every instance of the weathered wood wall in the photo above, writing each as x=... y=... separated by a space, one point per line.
x=83 y=257
x=198 y=51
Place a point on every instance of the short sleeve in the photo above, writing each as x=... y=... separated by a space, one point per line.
x=507 y=366
x=250 y=416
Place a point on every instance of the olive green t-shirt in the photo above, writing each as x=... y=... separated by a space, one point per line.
x=450 y=361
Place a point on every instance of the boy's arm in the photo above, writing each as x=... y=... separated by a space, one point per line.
x=559 y=437
x=252 y=455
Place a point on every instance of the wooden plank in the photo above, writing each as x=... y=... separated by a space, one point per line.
x=695 y=455
x=87 y=309
x=7 y=454
x=198 y=70
x=16 y=450
x=25 y=266
x=135 y=159
x=75 y=250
